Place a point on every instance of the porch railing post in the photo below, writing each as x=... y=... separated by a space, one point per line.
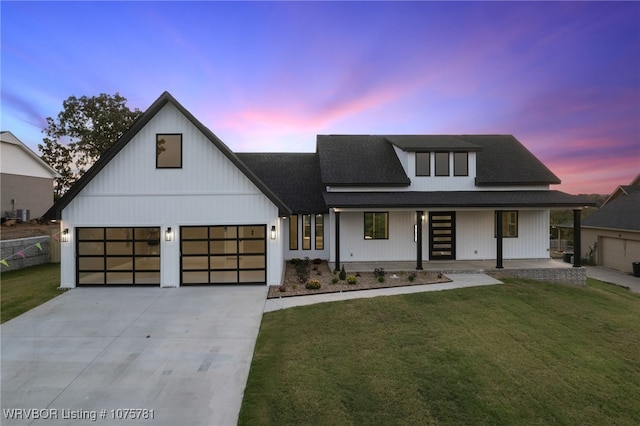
x=577 y=261
x=499 y=239
x=419 y=214
x=337 y=216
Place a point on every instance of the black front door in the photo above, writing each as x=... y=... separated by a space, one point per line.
x=442 y=235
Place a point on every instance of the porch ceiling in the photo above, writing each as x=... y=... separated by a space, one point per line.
x=453 y=199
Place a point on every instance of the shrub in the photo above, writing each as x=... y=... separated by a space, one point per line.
x=351 y=279
x=343 y=274
x=313 y=285
x=294 y=261
x=317 y=261
x=412 y=276
x=282 y=288
x=378 y=272
x=334 y=280
x=302 y=270
x=380 y=279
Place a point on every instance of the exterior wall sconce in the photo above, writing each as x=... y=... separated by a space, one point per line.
x=273 y=232
x=65 y=235
x=168 y=234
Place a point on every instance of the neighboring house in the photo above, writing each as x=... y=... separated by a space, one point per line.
x=612 y=234
x=27 y=181
x=170 y=204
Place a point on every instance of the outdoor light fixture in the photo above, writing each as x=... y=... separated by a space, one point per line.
x=65 y=235
x=273 y=232
x=168 y=234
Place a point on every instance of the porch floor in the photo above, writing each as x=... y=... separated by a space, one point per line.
x=454 y=266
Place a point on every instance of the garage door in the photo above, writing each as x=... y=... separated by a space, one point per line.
x=617 y=253
x=118 y=256
x=231 y=254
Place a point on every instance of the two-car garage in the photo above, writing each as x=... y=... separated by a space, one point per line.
x=219 y=254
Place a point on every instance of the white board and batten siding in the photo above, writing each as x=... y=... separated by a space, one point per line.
x=208 y=190
x=475 y=237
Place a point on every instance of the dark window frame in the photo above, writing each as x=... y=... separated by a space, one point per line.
x=320 y=233
x=293 y=226
x=158 y=137
x=506 y=224
x=373 y=235
x=436 y=169
x=306 y=239
x=455 y=164
x=423 y=155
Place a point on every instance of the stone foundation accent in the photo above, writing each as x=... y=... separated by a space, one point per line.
x=570 y=276
x=33 y=256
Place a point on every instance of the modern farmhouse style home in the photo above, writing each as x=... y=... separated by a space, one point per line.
x=170 y=204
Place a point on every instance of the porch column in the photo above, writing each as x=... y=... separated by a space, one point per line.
x=499 y=239
x=337 y=238
x=577 y=261
x=419 y=214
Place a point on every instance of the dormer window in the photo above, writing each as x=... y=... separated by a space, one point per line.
x=168 y=151
x=442 y=163
x=423 y=164
x=461 y=164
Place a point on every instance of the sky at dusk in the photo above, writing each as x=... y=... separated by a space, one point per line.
x=564 y=78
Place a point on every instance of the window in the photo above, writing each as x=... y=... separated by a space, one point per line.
x=319 y=232
x=461 y=164
x=376 y=226
x=168 y=151
x=306 y=232
x=293 y=232
x=423 y=163
x=509 y=224
x=442 y=164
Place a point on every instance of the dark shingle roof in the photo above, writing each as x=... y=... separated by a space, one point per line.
x=505 y=161
x=432 y=143
x=492 y=199
x=621 y=212
x=293 y=177
x=371 y=159
x=359 y=160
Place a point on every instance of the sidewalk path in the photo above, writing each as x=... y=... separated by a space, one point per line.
x=459 y=281
x=614 y=277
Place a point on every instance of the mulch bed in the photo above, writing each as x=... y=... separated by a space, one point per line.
x=364 y=281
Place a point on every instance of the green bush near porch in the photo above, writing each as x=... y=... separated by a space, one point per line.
x=24 y=289
x=521 y=353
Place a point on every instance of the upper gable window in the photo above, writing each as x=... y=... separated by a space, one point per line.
x=442 y=164
x=423 y=164
x=461 y=164
x=168 y=151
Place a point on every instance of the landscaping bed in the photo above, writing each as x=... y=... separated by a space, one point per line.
x=303 y=273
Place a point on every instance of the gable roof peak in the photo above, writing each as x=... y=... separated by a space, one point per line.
x=136 y=127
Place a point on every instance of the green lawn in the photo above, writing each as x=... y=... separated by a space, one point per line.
x=24 y=289
x=522 y=353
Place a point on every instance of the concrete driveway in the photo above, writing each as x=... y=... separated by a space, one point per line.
x=181 y=354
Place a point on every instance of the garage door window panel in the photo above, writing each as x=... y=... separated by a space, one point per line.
x=229 y=250
x=114 y=255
